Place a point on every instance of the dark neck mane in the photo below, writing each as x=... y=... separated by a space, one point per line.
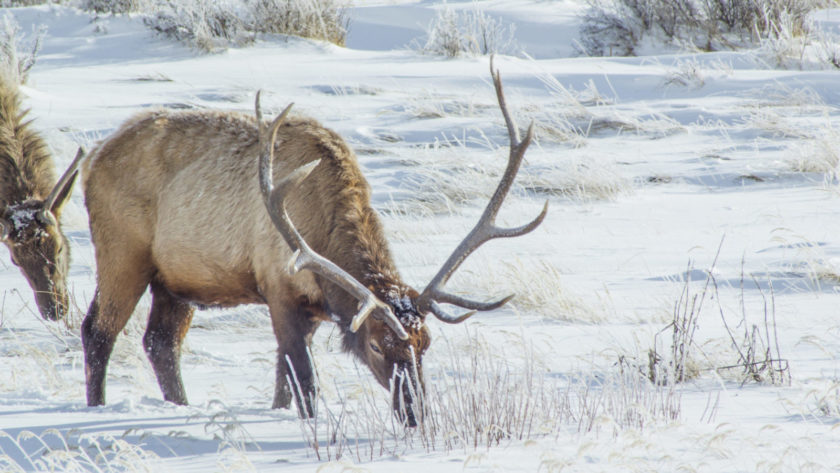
x=356 y=240
x=26 y=167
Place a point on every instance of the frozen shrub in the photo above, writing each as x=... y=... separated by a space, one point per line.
x=17 y=59
x=21 y=3
x=610 y=29
x=688 y=73
x=115 y=7
x=471 y=32
x=617 y=27
x=317 y=19
x=207 y=26
x=828 y=50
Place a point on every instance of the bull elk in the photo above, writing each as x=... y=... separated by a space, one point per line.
x=30 y=205
x=177 y=202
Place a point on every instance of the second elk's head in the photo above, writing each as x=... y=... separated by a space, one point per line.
x=30 y=229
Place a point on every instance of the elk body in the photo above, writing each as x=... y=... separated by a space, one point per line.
x=30 y=206
x=210 y=208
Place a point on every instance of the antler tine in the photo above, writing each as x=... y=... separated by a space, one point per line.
x=4 y=231
x=266 y=141
x=304 y=257
x=46 y=212
x=486 y=228
x=513 y=131
x=446 y=317
x=258 y=113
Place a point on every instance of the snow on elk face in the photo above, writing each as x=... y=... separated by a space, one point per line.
x=395 y=363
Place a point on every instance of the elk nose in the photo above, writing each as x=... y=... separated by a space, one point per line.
x=408 y=399
x=410 y=419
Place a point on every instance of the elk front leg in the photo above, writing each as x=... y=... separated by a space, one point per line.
x=109 y=311
x=97 y=348
x=120 y=287
x=169 y=321
x=294 y=327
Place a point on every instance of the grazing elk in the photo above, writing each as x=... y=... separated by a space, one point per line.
x=30 y=205
x=177 y=202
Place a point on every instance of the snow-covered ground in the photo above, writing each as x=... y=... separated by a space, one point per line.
x=651 y=164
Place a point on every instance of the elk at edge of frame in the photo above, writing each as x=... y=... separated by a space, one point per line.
x=177 y=202
x=30 y=206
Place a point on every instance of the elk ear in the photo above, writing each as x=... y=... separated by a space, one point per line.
x=58 y=196
x=63 y=194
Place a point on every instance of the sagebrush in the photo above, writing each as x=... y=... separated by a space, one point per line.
x=317 y=19
x=469 y=32
x=17 y=52
x=207 y=26
x=620 y=27
x=212 y=26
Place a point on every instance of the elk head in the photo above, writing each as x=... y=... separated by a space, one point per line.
x=390 y=334
x=31 y=231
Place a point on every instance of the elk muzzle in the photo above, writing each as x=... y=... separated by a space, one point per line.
x=409 y=393
x=50 y=296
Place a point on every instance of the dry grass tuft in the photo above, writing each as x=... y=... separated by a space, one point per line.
x=574 y=116
x=486 y=395
x=578 y=179
x=52 y=450
x=539 y=290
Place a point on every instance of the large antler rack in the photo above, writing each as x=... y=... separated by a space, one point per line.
x=304 y=257
x=485 y=229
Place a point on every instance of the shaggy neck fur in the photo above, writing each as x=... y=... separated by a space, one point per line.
x=356 y=242
x=26 y=167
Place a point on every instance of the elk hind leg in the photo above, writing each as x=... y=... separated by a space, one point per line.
x=169 y=321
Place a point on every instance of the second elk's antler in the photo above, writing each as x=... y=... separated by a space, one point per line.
x=485 y=229
x=305 y=257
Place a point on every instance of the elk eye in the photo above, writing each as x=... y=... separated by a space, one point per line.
x=375 y=348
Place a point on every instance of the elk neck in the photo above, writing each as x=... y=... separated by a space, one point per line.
x=338 y=222
x=26 y=167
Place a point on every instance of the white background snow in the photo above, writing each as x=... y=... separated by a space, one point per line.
x=661 y=171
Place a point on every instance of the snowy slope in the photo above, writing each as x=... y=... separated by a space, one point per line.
x=648 y=164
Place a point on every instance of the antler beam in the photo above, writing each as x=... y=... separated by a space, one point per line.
x=304 y=257
x=485 y=229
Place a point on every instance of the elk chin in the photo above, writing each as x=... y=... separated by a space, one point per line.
x=50 y=293
x=52 y=301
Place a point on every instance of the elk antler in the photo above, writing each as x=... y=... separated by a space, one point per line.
x=484 y=230
x=46 y=214
x=304 y=257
